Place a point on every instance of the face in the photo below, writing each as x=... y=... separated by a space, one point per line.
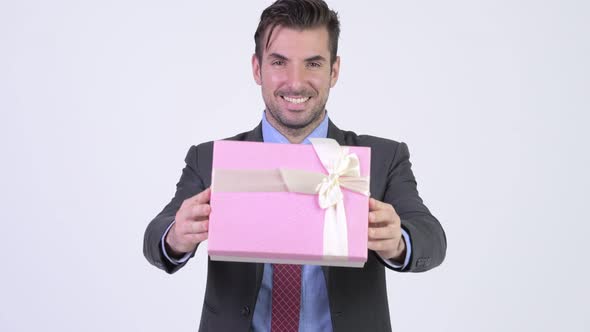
x=296 y=76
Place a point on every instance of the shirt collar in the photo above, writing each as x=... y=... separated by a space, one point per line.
x=271 y=135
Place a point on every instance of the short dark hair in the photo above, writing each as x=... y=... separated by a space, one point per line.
x=299 y=14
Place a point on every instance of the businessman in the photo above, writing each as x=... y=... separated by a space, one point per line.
x=296 y=64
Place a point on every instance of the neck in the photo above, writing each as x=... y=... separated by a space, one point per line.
x=295 y=135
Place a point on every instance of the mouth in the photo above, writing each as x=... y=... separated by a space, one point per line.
x=296 y=100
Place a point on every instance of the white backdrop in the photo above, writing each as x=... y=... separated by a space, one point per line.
x=100 y=100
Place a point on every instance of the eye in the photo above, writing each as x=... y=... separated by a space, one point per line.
x=278 y=63
x=314 y=64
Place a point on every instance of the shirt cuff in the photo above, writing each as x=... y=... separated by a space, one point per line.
x=170 y=259
x=396 y=265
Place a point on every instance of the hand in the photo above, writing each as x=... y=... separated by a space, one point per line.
x=191 y=226
x=385 y=233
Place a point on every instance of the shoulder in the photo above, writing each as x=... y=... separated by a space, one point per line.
x=379 y=145
x=205 y=149
x=384 y=152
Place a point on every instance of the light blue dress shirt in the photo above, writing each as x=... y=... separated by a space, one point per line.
x=315 y=308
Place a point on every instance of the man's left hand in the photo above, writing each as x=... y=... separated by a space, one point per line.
x=385 y=232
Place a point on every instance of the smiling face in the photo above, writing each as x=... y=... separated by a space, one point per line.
x=296 y=76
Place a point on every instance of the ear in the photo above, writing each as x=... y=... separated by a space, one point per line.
x=256 y=69
x=335 y=72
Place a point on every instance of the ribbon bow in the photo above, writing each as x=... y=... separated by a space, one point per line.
x=343 y=171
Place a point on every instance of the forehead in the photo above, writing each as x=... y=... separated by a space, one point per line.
x=303 y=42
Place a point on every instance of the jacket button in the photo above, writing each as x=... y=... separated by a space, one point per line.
x=245 y=310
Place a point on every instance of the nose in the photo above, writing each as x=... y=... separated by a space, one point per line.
x=296 y=77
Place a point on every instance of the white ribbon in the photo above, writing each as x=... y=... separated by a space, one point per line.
x=343 y=170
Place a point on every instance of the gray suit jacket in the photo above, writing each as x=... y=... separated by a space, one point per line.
x=357 y=297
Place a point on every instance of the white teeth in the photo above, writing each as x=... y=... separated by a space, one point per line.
x=296 y=100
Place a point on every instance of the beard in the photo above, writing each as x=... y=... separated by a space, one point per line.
x=308 y=117
x=282 y=120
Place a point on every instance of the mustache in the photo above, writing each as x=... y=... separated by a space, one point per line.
x=295 y=93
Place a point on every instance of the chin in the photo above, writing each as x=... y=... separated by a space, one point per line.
x=299 y=123
x=296 y=126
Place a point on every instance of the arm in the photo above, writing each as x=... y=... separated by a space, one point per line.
x=190 y=184
x=424 y=230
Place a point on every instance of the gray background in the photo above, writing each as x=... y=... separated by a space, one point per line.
x=100 y=101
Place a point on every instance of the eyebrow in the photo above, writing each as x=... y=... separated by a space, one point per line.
x=278 y=56
x=284 y=58
x=316 y=58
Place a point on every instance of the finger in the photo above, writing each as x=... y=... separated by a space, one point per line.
x=378 y=205
x=381 y=245
x=374 y=204
x=198 y=212
x=383 y=233
x=379 y=216
x=197 y=238
x=201 y=198
x=200 y=227
x=196 y=227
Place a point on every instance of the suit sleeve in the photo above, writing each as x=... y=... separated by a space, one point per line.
x=428 y=238
x=190 y=184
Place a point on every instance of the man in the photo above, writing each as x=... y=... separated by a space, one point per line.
x=296 y=65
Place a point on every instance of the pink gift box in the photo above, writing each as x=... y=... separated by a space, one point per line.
x=280 y=227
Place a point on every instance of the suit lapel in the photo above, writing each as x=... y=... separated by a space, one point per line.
x=255 y=135
x=335 y=133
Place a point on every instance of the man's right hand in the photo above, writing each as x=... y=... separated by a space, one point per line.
x=191 y=225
